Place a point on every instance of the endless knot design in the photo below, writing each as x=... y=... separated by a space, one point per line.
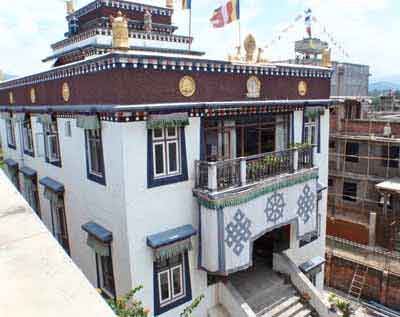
x=275 y=207
x=306 y=204
x=238 y=232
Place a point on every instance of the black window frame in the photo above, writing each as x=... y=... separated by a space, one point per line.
x=345 y=193
x=352 y=152
x=10 y=126
x=391 y=155
x=91 y=175
x=162 y=308
x=60 y=210
x=108 y=293
x=27 y=128
x=156 y=181
x=48 y=130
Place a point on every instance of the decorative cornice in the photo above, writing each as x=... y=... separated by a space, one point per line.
x=254 y=192
x=184 y=64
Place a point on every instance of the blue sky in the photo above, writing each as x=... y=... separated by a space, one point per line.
x=367 y=29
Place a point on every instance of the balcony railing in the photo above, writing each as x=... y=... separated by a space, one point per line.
x=222 y=175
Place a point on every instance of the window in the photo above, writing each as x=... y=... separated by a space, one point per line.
x=59 y=222
x=332 y=144
x=350 y=191
x=27 y=137
x=51 y=143
x=172 y=282
x=310 y=129
x=10 y=134
x=330 y=182
x=68 y=130
x=31 y=194
x=105 y=274
x=352 y=150
x=167 y=156
x=391 y=156
x=94 y=156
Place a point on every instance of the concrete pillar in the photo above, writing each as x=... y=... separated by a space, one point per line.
x=212 y=177
x=243 y=172
x=372 y=229
x=384 y=286
x=328 y=268
x=385 y=203
x=295 y=160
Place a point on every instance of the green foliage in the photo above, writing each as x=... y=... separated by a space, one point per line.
x=341 y=304
x=188 y=311
x=127 y=306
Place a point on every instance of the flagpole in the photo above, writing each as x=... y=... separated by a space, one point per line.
x=239 y=30
x=190 y=28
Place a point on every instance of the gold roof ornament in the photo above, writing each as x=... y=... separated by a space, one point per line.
x=260 y=56
x=326 y=57
x=70 y=6
x=120 y=32
x=1 y=75
x=250 y=46
x=148 y=21
x=170 y=4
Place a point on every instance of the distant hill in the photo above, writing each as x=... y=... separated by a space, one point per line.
x=384 y=86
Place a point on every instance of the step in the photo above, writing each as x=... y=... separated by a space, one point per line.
x=218 y=311
x=292 y=311
x=269 y=298
x=291 y=301
x=303 y=313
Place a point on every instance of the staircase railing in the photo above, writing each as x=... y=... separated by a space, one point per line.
x=283 y=264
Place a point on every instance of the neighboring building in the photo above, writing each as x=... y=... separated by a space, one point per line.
x=363 y=226
x=156 y=166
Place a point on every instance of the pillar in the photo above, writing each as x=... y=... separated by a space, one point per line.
x=328 y=268
x=384 y=286
x=372 y=229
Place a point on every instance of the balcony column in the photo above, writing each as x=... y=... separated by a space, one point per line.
x=212 y=177
x=243 y=172
x=295 y=160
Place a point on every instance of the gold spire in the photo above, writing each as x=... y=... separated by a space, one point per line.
x=250 y=46
x=326 y=58
x=120 y=32
x=1 y=75
x=170 y=4
x=70 y=6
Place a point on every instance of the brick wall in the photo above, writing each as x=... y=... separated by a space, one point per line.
x=347 y=230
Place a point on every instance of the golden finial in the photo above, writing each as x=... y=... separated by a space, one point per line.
x=1 y=75
x=70 y=6
x=148 y=21
x=120 y=32
x=170 y=4
x=326 y=58
x=250 y=47
x=260 y=56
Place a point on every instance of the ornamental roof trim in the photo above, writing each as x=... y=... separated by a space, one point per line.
x=174 y=62
x=120 y=4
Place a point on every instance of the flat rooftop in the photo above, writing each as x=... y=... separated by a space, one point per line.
x=37 y=277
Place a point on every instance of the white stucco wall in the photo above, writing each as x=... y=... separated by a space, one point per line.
x=85 y=200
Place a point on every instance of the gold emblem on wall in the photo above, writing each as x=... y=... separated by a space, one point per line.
x=11 y=97
x=302 y=88
x=65 y=92
x=253 y=87
x=187 y=86
x=33 y=95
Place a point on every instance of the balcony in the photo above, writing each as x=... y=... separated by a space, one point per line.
x=241 y=173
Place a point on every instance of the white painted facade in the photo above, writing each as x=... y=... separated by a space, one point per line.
x=131 y=211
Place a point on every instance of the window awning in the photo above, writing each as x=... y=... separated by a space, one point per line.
x=312 y=265
x=28 y=172
x=11 y=163
x=167 y=120
x=171 y=242
x=90 y=122
x=52 y=184
x=97 y=231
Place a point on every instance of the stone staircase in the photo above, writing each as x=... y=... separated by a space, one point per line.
x=267 y=294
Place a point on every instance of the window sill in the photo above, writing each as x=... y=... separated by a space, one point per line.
x=96 y=178
x=29 y=153
x=55 y=163
x=163 y=181
x=14 y=147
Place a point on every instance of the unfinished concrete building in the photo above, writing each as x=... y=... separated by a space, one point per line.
x=363 y=239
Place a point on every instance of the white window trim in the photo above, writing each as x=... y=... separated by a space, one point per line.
x=11 y=139
x=89 y=152
x=50 y=157
x=169 y=299
x=101 y=276
x=25 y=138
x=182 y=293
x=164 y=141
